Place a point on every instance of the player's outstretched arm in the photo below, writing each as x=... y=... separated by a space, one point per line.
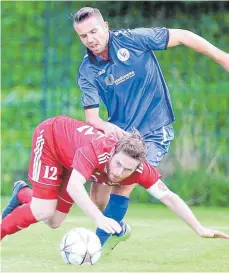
x=80 y=196
x=199 y=44
x=160 y=191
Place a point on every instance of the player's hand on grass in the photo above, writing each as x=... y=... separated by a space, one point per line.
x=109 y=225
x=114 y=130
x=211 y=233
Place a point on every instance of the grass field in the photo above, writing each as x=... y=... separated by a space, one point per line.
x=160 y=242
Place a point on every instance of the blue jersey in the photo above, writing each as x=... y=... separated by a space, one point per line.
x=130 y=83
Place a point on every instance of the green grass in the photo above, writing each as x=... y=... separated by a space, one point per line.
x=160 y=242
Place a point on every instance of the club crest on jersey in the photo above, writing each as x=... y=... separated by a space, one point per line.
x=123 y=54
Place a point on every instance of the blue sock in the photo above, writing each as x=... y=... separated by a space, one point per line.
x=116 y=209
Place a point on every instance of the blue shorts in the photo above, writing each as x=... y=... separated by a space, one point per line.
x=158 y=143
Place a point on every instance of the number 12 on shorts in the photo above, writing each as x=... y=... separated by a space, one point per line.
x=50 y=173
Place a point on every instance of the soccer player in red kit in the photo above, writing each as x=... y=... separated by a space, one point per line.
x=65 y=154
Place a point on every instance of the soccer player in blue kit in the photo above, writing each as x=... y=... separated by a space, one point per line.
x=121 y=69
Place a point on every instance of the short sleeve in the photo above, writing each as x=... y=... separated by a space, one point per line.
x=90 y=96
x=151 y=38
x=149 y=176
x=85 y=161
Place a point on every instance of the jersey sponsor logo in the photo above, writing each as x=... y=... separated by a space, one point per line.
x=103 y=158
x=101 y=72
x=123 y=54
x=109 y=80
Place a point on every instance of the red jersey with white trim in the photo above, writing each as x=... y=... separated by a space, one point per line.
x=82 y=147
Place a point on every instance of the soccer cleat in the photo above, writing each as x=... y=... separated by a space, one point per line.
x=14 y=202
x=115 y=239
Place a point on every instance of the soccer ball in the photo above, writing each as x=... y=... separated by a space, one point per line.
x=80 y=246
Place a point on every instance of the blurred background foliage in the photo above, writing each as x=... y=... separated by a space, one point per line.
x=40 y=57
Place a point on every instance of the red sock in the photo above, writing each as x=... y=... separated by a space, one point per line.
x=25 y=195
x=20 y=218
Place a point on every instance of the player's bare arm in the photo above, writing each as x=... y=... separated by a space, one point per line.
x=199 y=44
x=93 y=118
x=79 y=194
x=160 y=191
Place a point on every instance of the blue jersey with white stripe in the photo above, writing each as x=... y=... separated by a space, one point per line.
x=130 y=83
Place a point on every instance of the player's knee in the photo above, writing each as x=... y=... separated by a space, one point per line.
x=42 y=213
x=56 y=220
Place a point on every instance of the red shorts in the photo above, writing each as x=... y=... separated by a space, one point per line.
x=48 y=177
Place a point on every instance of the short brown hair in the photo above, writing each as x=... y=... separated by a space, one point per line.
x=133 y=145
x=85 y=13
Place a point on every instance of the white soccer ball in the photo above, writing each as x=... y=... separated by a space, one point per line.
x=80 y=246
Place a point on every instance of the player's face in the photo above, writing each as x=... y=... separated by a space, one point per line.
x=121 y=166
x=93 y=33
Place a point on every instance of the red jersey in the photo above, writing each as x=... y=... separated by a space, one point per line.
x=75 y=144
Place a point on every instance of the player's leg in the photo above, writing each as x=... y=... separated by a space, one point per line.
x=116 y=209
x=100 y=194
x=158 y=143
x=23 y=195
x=56 y=219
x=44 y=173
x=27 y=214
x=41 y=207
x=64 y=203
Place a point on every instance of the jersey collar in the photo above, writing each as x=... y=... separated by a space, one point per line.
x=96 y=60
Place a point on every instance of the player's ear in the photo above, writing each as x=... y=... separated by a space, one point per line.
x=106 y=25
